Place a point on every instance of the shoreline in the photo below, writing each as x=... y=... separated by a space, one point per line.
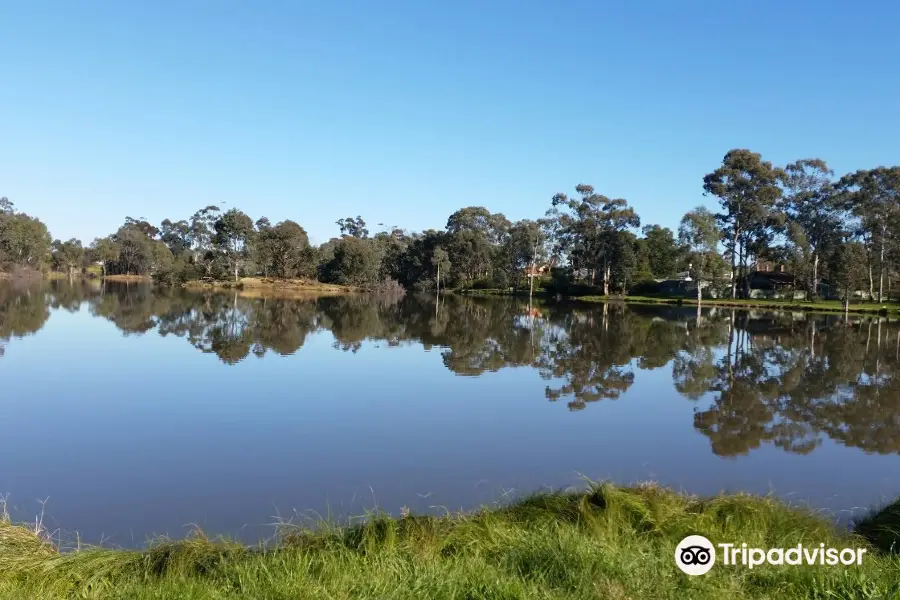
x=128 y=278
x=827 y=306
x=606 y=541
x=280 y=286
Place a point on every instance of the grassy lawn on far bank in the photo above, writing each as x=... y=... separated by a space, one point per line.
x=608 y=542
x=892 y=308
x=817 y=305
x=261 y=284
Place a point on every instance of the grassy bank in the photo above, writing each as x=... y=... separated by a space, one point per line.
x=281 y=286
x=888 y=308
x=606 y=543
x=136 y=278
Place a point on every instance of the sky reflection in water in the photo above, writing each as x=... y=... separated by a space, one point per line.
x=141 y=412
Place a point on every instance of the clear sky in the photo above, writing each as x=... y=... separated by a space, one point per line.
x=403 y=112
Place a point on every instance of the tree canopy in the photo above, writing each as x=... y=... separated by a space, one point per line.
x=800 y=216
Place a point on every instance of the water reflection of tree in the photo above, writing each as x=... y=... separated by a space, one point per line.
x=23 y=311
x=757 y=378
x=787 y=382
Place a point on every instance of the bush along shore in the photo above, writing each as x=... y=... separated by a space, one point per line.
x=606 y=542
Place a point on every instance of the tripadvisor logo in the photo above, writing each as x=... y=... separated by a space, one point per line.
x=696 y=555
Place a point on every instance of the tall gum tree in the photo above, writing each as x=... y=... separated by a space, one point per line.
x=873 y=197
x=699 y=234
x=748 y=189
x=234 y=234
x=587 y=229
x=814 y=226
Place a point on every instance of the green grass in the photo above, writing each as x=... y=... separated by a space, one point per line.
x=607 y=542
x=817 y=305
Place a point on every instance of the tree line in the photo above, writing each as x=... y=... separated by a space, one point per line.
x=841 y=230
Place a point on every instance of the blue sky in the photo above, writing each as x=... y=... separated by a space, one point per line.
x=403 y=112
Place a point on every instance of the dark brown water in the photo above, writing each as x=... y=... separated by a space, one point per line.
x=141 y=412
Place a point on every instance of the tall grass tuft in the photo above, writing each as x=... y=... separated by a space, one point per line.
x=604 y=542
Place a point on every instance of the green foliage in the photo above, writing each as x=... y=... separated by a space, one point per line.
x=814 y=225
x=795 y=216
x=355 y=261
x=700 y=237
x=661 y=251
x=588 y=230
x=847 y=266
x=67 y=256
x=106 y=251
x=233 y=235
x=872 y=197
x=282 y=250
x=135 y=251
x=748 y=189
x=353 y=227
x=24 y=240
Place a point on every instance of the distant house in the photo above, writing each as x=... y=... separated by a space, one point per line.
x=683 y=275
x=771 y=280
x=537 y=271
x=768 y=266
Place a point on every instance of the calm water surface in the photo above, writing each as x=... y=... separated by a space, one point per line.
x=141 y=412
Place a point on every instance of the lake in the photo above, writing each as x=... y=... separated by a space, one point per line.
x=137 y=412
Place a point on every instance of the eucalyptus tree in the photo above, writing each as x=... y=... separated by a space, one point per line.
x=354 y=227
x=234 y=234
x=475 y=242
x=847 y=267
x=176 y=235
x=353 y=261
x=24 y=240
x=873 y=197
x=135 y=248
x=68 y=256
x=202 y=229
x=661 y=250
x=522 y=251
x=416 y=266
x=814 y=223
x=107 y=252
x=440 y=260
x=699 y=234
x=748 y=189
x=587 y=227
x=281 y=250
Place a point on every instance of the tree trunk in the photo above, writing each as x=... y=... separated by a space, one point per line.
x=871 y=283
x=730 y=342
x=699 y=294
x=881 y=267
x=812 y=340
x=734 y=238
x=606 y=270
x=814 y=293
